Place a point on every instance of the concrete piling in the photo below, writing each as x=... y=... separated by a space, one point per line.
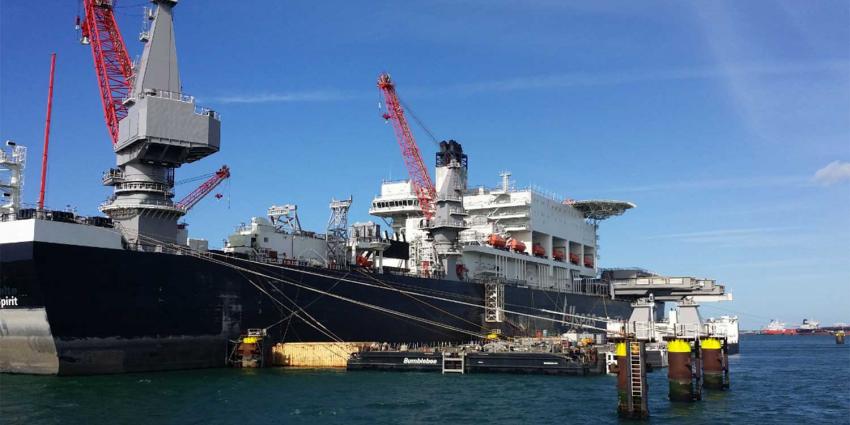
x=683 y=371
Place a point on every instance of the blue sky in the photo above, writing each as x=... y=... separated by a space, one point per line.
x=726 y=122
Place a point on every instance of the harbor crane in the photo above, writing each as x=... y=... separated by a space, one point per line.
x=115 y=78
x=204 y=189
x=420 y=181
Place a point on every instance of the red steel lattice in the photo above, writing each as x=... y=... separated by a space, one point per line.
x=111 y=61
x=423 y=187
x=206 y=187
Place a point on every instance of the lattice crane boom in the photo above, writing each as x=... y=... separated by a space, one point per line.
x=204 y=189
x=420 y=181
x=111 y=62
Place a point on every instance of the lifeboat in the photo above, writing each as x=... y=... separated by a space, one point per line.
x=516 y=246
x=496 y=241
x=574 y=258
x=588 y=262
x=559 y=255
x=538 y=250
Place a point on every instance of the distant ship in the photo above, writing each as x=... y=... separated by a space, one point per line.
x=809 y=326
x=776 y=327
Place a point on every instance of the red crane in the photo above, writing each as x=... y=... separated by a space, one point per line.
x=111 y=61
x=421 y=182
x=205 y=188
x=46 y=133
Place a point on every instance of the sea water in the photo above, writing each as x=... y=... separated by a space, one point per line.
x=775 y=380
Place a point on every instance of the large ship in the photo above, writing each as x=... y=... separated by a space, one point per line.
x=131 y=292
x=776 y=327
x=809 y=326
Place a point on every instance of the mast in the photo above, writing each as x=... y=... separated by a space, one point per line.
x=46 y=133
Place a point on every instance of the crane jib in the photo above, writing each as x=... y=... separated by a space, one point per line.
x=112 y=64
x=420 y=181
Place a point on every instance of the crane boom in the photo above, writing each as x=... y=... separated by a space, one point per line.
x=420 y=181
x=111 y=61
x=204 y=189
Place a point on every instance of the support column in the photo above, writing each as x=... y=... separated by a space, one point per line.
x=682 y=371
x=715 y=364
x=631 y=380
x=622 y=378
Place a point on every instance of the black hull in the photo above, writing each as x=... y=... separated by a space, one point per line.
x=84 y=310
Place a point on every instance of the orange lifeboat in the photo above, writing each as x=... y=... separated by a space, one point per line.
x=559 y=255
x=574 y=258
x=538 y=250
x=588 y=262
x=516 y=246
x=496 y=241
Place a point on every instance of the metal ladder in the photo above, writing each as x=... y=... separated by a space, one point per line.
x=636 y=372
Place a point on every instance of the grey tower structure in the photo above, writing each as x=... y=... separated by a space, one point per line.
x=448 y=220
x=163 y=130
x=337 y=233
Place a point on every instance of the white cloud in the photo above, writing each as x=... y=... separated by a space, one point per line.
x=553 y=81
x=736 y=238
x=718 y=233
x=832 y=173
x=638 y=76
x=307 y=96
x=726 y=183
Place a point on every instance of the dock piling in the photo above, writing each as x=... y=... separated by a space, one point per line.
x=631 y=379
x=715 y=364
x=683 y=371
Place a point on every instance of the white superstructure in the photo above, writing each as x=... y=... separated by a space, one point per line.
x=548 y=243
x=501 y=233
x=725 y=326
x=12 y=162
x=277 y=240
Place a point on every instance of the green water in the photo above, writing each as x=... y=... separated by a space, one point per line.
x=781 y=379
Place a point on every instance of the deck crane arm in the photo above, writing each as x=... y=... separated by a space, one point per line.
x=111 y=62
x=204 y=189
x=420 y=181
